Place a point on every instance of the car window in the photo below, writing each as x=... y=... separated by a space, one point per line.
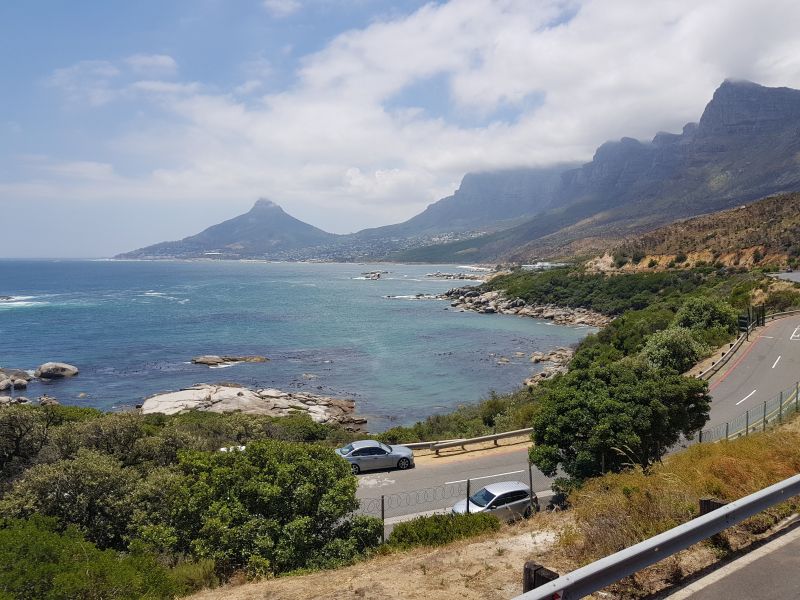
x=501 y=500
x=347 y=449
x=362 y=452
x=516 y=496
x=379 y=451
x=482 y=497
x=386 y=449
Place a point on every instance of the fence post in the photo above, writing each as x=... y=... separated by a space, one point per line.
x=780 y=407
x=530 y=485
x=796 y=393
x=747 y=422
x=764 y=418
x=383 y=519
x=727 y=427
x=701 y=436
x=467 y=496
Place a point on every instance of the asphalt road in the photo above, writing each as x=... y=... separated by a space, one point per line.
x=765 y=573
x=770 y=364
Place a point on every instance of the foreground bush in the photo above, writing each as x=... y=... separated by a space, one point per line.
x=675 y=348
x=437 y=530
x=37 y=562
x=618 y=510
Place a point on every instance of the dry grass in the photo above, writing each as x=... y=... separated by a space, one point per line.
x=486 y=567
x=609 y=513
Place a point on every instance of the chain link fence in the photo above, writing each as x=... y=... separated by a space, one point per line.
x=758 y=418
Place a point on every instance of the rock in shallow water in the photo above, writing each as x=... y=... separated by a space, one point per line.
x=213 y=360
x=55 y=370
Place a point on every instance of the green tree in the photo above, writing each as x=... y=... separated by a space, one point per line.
x=674 y=348
x=37 y=562
x=92 y=491
x=609 y=417
x=705 y=312
x=275 y=507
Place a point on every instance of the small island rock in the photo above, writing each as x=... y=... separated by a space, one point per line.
x=55 y=370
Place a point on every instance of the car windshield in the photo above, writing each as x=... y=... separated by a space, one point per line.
x=347 y=449
x=482 y=498
x=385 y=447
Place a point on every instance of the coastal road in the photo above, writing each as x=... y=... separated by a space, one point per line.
x=765 y=573
x=766 y=366
x=770 y=364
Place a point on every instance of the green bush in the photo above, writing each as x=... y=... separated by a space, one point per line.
x=437 y=530
x=675 y=348
x=194 y=576
x=37 y=562
x=608 y=417
x=705 y=312
x=275 y=507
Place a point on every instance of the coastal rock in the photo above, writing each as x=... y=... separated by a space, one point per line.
x=45 y=400
x=55 y=370
x=6 y=384
x=6 y=400
x=19 y=384
x=15 y=374
x=213 y=360
x=228 y=398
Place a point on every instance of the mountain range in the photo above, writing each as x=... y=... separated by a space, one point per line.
x=745 y=146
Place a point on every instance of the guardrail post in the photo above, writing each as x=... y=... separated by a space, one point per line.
x=727 y=427
x=467 y=496
x=530 y=485
x=535 y=575
x=780 y=407
x=383 y=519
x=747 y=422
x=796 y=394
x=701 y=436
x=764 y=418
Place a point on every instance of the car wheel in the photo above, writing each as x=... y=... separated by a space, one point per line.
x=403 y=463
x=528 y=512
x=355 y=468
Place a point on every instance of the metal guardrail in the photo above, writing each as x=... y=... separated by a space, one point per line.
x=428 y=445
x=610 y=569
x=713 y=369
x=477 y=440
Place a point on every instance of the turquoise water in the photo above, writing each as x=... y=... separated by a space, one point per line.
x=132 y=328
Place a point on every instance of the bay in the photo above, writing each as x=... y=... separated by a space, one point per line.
x=133 y=327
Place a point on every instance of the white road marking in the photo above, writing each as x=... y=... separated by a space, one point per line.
x=767 y=337
x=745 y=398
x=776 y=362
x=374 y=481
x=484 y=477
x=795 y=335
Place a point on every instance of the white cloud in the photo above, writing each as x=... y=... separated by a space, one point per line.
x=336 y=149
x=282 y=8
x=152 y=64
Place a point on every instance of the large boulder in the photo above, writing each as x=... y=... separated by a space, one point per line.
x=19 y=384
x=15 y=374
x=6 y=384
x=55 y=370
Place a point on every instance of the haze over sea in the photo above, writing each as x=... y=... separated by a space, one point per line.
x=133 y=327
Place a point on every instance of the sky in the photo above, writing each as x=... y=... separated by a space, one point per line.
x=123 y=124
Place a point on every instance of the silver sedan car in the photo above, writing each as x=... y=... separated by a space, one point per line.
x=507 y=500
x=367 y=455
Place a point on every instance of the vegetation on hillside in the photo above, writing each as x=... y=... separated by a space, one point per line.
x=766 y=232
x=138 y=490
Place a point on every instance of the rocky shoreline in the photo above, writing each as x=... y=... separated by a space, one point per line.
x=230 y=397
x=18 y=379
x=495 y=302
x=559 y=362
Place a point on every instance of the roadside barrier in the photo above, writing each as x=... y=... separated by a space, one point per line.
x=768 y=413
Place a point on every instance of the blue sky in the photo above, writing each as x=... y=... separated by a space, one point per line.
x=127 y=123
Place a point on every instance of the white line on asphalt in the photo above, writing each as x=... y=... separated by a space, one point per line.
x=484 y=477
x=767 y=337
x=795 y=335
x=776 y=362
x=745 y=398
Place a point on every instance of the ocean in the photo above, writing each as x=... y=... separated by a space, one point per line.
x=133 y=327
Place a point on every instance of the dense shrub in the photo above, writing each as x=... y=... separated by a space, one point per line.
x=37 y=562
x=437 y=530
x=705 y=312
x=275 y=507
x=608 y=418
x=674 y=348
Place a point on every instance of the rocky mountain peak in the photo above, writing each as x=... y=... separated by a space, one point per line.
x=744 y=107
x=265 y=204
